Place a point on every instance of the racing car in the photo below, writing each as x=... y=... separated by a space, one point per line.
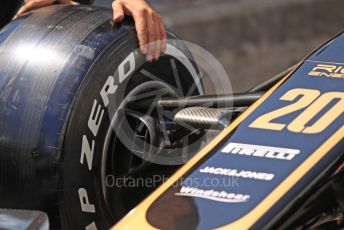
x=84 y=118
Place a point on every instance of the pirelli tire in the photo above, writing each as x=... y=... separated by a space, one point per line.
x=61 y=68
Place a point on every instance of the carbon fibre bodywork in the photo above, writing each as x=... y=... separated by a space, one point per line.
x=292 y=137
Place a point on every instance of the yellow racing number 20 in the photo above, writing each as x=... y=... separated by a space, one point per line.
x=312 y=102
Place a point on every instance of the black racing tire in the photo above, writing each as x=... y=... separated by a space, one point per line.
x=56 y=66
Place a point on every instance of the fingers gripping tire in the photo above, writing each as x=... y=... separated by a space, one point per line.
x=65 y=73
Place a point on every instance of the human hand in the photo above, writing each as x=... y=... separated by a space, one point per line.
x=148 y=24
x=36 y=4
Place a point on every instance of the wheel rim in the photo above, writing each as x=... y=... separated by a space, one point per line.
x=124 y=172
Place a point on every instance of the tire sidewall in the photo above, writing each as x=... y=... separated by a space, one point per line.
x=82 y=202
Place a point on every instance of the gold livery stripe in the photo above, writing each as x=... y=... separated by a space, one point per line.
x=253 y=216
x=136 y=218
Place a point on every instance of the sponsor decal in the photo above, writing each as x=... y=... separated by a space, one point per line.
x=325 y=70
x=260 y=151
x=94 y=122
x=237 y=173
x=211 y=194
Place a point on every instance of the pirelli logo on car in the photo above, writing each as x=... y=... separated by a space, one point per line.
x=260 y=151
x=326 y=70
